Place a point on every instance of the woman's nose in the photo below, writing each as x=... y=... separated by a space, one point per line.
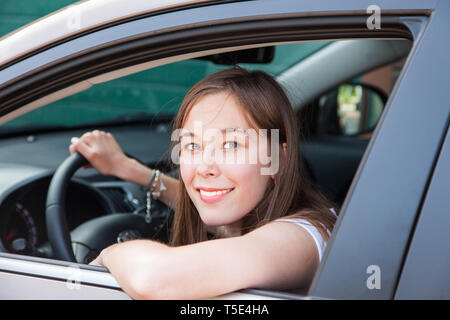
x=207 y=166
x=206 y=170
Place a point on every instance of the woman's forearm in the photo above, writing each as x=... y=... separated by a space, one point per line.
x=148 y=269
x=134 y=171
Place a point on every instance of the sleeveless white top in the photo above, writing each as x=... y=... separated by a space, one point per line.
x=312 y=230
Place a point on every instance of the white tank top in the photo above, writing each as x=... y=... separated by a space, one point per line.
x=312 y=230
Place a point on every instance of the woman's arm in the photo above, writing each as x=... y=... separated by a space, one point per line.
x=104 y=153
x=279 y=255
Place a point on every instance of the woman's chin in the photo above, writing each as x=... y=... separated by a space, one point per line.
x=215 y=220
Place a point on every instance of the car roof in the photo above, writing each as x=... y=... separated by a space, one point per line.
x=83 y=17
x=79 y=18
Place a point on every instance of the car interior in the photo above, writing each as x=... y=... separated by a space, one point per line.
x=338 y=90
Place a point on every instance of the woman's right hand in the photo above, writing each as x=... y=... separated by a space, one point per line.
x=101 y=150
x=104 y=153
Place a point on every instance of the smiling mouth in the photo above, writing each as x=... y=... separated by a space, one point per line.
x=213 y=195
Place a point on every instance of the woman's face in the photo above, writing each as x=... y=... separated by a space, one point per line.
x=219 y=162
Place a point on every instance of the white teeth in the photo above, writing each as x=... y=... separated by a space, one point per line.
x=213 y=193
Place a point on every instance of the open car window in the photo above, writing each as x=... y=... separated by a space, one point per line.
x=138 y=108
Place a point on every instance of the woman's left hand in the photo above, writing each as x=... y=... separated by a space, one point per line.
x=97 y=261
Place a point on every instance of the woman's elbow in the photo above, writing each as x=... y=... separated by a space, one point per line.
x=151 y=284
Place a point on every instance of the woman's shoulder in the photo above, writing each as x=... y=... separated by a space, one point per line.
x=304 y=213
x=302 y=219
x=310 y=218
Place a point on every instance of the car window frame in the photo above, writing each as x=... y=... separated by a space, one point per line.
x=67 y=57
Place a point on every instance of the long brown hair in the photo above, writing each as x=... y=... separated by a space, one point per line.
x=290 y=194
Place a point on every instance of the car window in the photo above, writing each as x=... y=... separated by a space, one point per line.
x=157 y=93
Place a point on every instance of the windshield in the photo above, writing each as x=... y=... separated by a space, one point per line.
x=153 y=93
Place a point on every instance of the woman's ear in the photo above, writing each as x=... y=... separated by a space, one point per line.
x=284 y=144
x=283 y=157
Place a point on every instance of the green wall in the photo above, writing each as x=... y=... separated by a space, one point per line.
x=17 y=13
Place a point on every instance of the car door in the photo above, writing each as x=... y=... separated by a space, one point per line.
x=114 y=50
x=381 y=207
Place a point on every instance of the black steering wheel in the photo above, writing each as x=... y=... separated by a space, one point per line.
x=88 y=239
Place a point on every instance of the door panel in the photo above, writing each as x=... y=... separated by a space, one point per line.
x=17 y=286
x=426 y=272
x=379 y=211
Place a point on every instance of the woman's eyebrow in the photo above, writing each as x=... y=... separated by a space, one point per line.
x=238 y=130
x=187 y=133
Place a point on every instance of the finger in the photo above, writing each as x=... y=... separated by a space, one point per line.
x=96 y=262
x=87 y=137
x=83 y=148
x=73 y=142
x=75 y=147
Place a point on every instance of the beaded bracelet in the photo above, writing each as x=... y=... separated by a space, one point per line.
x=153 y=188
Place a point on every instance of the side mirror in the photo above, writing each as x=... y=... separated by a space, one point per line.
x=352 y=109
x=359 y=107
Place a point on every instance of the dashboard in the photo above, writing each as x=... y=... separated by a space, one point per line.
x=22 y=213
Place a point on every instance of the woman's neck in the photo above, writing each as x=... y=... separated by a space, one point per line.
x=227 y=231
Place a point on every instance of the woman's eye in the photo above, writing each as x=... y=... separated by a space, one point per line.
x=230 y=145
x=192 y=147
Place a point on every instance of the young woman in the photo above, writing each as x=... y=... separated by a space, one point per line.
x=270 y=225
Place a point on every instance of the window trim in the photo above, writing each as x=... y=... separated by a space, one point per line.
x=73 y=67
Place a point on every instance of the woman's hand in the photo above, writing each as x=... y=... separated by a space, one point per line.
x=101 y=150
x=99 y=260
x=104 y=153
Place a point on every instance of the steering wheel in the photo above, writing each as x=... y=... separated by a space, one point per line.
x=90 y=237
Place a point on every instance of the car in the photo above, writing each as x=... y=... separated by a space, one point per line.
x=367 y=81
